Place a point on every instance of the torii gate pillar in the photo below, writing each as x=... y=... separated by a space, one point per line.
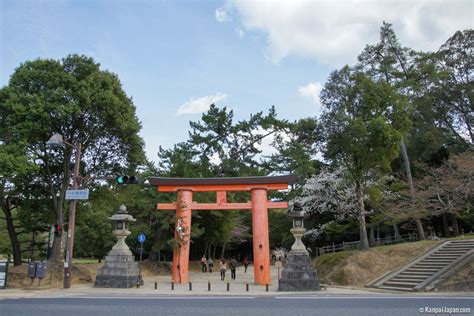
x=261 y=243
x=181 y=254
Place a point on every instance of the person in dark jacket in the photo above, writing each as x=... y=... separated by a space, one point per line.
x=210 y=265
x=233 y=266
x=246 y=263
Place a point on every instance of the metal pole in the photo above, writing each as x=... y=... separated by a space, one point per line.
x=72 y=221
x=141 y=251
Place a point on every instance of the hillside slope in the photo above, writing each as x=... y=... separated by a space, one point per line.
x=461 y=280
x=358 y=268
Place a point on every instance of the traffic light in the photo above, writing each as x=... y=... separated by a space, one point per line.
x=126 y=180
x=57 y=230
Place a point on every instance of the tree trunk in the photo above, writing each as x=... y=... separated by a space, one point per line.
x=155 y=250
x=455 y=225
x=435 y=231
x=372 y=236
x=378 y=233
x=419 y=227
x=33 y=243
x=396 y=232
x=15 y=243
x=364 y=241
x=56 y=249
x=445 y=225
x=214 y=252
x=223 y=251
x=406 y=162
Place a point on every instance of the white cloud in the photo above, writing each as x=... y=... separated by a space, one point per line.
x=240 y=32
x=335 y=32
x=214 y=159
x=221 y=15
x=199 y=105
x=312 y=90
x=266 y=145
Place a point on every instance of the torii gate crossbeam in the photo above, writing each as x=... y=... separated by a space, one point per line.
x=259 y=204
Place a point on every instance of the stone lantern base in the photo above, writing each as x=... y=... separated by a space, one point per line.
x=120 y=269
x=298 y=273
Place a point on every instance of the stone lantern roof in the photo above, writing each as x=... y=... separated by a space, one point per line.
x=122 y=215
x=296 y=211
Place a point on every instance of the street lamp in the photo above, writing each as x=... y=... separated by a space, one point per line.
x=57 y=141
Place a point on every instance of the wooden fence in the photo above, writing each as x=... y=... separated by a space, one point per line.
x=353 y=245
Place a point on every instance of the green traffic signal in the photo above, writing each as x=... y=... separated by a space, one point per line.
x=126 y=180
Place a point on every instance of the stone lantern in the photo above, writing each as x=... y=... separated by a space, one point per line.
x=120 y=221
x=120 y=269
x=298 y=274
x=297 y=214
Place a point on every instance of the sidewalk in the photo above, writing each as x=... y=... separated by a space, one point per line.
x=199 y=281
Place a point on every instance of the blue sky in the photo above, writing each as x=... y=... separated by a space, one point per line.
x=175 y=57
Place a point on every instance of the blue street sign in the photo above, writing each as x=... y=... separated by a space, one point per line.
x=141 y=238
x=77 y=194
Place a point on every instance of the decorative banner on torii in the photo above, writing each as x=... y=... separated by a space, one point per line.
x=259 y=204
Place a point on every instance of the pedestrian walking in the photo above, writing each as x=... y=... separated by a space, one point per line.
x=233 y=266
x=203 y=264
x=246 y=263
x=279 y=266
x=210 y=265
x=222 y=269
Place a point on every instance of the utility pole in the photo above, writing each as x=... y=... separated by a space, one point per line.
x=72 y=221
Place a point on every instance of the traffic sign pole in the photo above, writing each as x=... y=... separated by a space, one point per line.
x=141 y=239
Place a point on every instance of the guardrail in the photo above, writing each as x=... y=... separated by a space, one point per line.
x=353 y=245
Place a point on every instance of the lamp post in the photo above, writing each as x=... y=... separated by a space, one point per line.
x=57 y=141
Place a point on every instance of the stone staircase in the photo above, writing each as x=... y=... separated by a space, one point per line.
x=429 y=269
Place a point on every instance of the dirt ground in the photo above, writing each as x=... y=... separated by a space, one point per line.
x=83 y=273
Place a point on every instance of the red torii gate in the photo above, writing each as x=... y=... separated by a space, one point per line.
x=259 y=204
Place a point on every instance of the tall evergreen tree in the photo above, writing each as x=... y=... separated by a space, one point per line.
x=363 y=121
x=75 y=98
x=389 y=61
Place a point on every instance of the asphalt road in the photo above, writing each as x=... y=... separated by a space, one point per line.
x=239 y=305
